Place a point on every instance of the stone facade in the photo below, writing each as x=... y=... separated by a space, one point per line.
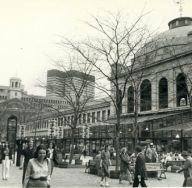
x=165 y=87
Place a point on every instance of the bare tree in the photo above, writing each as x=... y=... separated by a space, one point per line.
x=77 y=90
x=113 y=51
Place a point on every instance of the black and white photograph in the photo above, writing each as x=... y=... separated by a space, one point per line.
x=95 y=93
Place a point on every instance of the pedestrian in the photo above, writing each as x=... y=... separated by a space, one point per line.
x=148 y=153
x=52 y=155
x=104 y=164
x=187 y=169
x=6 y=161
x=140 y=169
x=38 y=170
x=97 y=160
x=154 y=153
x=124 y=166
x=27 y=154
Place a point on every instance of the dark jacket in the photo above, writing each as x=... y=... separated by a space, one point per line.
x=55 y=158
x=187 y=167
x=140 y=165
x=124 y=165
x=4 y=153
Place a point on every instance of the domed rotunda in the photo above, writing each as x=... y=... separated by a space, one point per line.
x=162 y=84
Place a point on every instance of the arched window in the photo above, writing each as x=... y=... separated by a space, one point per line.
x=120 y=101
x=130 y=99
x=163 y=93
x=145 y=95
x=181 y=89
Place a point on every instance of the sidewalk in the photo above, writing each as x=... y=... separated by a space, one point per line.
x=76 y=177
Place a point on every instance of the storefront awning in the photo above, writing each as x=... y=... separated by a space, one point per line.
x=184 y=126
x=142 y=118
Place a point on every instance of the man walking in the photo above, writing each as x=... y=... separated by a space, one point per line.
x=139 y=176
x=187 y=168
x=27 y=154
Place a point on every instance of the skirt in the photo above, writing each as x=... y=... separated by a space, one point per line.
x=37 y=184
x=105 y=170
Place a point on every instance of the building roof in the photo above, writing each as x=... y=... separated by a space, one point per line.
x=177 y=32
x=4 y=87
x=68 y=74
x=178 y=36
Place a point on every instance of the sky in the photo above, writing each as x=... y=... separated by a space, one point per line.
x=29 y=30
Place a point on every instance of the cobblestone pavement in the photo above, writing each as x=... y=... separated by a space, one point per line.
x=76 y=177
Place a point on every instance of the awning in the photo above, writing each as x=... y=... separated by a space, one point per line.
x=184 y=126
x=142 y=118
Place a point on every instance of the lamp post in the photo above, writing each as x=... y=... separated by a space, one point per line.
x=181 y=138
x=177 y=136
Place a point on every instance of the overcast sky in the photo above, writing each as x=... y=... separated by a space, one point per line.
x=29 y=30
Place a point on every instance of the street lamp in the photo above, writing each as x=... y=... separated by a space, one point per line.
x=177 y=136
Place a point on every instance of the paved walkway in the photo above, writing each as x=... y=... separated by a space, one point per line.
x=76 y=177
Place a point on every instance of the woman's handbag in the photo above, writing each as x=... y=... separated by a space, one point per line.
x=189 y=179
x=189 y=182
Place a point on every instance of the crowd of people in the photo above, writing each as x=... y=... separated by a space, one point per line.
x=133 y=165
x=125 y=163
x=38 y=163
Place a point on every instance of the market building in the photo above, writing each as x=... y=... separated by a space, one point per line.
x=164 y=112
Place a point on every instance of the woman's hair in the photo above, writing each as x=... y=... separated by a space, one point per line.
x=123 y=150
x=7 y=144
x=40 y=147
x=106 y=147
x=138 y=148
x=52 y=144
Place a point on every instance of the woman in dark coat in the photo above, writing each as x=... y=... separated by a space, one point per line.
x=124 y=166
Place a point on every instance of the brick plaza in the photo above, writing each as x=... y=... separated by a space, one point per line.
x=76 y=177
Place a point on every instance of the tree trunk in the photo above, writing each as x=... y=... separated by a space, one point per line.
x=135 y=131
x=72 y=145
x=117 y=133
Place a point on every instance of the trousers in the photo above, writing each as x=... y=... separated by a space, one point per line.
x=137 y=182
x=5 y=167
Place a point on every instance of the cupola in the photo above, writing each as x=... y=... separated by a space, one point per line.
x=180 y=22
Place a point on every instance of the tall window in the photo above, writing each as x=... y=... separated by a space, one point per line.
x=79 y=118
x=93 y=117
x=145 y=95
x=103 y=115
x=98 y=116
x=88 y=118
x=120 y=101
x=84 y=118
x=130 y=100
x=181 y=89
x=163 y=93
x=108 y=114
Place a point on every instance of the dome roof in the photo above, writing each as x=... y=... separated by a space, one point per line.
x=179 y=35
x=178 y=28
x=176 y=32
